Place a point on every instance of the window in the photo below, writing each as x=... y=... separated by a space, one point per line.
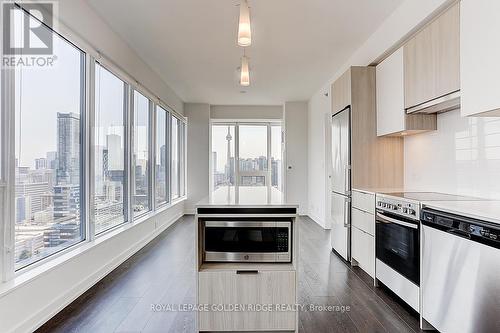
x=161 y=183
x=276 y=160
x=140 y=158
x=257 y=176
x=58 y=188
x=175 y=158
x=182 y=159
x=109 y=148
x=223 y=166
x=49 y=118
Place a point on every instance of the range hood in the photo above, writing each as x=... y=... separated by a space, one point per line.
x=441 y=104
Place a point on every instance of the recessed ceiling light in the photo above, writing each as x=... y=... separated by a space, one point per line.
x=244 y=28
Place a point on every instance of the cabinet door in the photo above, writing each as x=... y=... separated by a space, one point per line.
x=480 y=56
x=363 y=221
x=390 y=95
x=432 y=59
x=228 y=287
x=363 y=201
x=341 y=92
x=363 y=250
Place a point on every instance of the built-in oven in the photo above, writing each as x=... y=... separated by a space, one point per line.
x=398 y=244
x=247 y=241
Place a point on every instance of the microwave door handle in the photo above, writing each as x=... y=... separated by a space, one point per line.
x=388 y=219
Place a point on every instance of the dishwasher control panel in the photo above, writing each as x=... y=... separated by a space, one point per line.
x=479 y=231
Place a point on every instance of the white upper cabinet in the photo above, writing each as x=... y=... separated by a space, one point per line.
x=480 y=57
x=390 y=95
x=391 y=115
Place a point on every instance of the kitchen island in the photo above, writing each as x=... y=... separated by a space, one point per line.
x=246 y=261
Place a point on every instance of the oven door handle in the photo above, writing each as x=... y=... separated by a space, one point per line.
x=387 y=219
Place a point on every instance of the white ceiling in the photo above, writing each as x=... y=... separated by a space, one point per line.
x=297 y=45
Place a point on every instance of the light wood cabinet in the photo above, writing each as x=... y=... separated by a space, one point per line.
x=375 y=161
x=216 y=288
x=480 y=57
x=432 y=60
x=391 y=114
x=363 y=250
x=341 y=91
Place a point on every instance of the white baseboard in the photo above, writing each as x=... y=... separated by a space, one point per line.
x=42 y=316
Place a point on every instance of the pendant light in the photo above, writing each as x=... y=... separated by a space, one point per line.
x=245 y=72
x=244 y=29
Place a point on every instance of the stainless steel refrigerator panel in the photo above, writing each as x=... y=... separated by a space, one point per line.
x=341 y=147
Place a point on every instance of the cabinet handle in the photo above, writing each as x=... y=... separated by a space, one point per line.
x=247 y=272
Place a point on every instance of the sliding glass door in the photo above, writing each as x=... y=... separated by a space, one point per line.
x=257 y=148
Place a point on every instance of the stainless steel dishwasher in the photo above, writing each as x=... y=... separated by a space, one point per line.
x=460 y=273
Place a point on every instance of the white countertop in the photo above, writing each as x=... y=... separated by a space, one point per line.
x=487 y=210
x=247 y=196
x=375 y=190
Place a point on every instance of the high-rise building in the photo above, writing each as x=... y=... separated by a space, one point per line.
x=115 y=152
x=68 y=148
x=23 y=209
x=36 y=199
x=163 y=156
x=214 y=161
x=41 y=163
x=51 y=160
x=66 y=201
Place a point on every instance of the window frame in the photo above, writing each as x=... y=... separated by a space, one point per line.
x=131 y=177
x=168 y=197
x=7 y=165
x=237 y=124
x=126 y=150
x=7 y=263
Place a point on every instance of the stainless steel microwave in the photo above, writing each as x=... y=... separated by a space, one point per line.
x=247 y=241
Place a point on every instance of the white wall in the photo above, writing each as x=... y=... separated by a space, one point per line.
x=319 y=107
x=461 y=157
x=403 y=22
x=296 y=154
x=198 y=152
x=246 y=111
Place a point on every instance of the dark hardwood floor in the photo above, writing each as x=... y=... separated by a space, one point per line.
x=163 y=273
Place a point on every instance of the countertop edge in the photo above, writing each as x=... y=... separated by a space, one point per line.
x=453 y=210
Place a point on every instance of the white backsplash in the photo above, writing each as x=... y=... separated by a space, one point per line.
x=461 y=157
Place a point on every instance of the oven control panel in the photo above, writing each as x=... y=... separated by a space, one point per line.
x=404 y=208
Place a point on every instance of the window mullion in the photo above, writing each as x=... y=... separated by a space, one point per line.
x=7 y=205
x=269 y=166
x=237 y=162
x=168 y=139
x=89 y=159
x=153 y=156
x=129 y=165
